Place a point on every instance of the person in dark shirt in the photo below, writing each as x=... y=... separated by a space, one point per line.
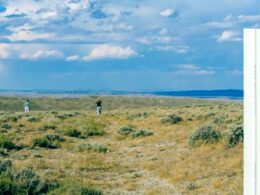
x=99 y=107
x=27 y=106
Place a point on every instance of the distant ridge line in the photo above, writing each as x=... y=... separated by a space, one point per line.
x=229 y=93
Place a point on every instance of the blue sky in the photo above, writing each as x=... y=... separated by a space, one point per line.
x=137 y=45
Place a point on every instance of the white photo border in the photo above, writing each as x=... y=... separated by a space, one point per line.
x=251 y=111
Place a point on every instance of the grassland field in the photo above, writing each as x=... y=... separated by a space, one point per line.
x=139 y=145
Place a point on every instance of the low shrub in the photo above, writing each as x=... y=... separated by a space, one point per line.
x=172 y=119
x=126 y=130
x=55 y=137
x=23 y=182
x=6 y=126
x=84 y=133
x=26 y=182
x=93 y=128
x=73 y=133
x=96 y=147
x=76 y=186
x=48 y=126
x=54 y=112
x=219 y=120
x=205 y=134
x=3 y=152
x=93 y=132
x=5 y=166
x=33 y=119
x=7 y=143
x=64 y=116
x=236 y=136
x=134 y=133
x=11 y=118
x=191 y=186
x=45 y=143
x=141 y=132
x=89 y=191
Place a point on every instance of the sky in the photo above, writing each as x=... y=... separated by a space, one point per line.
x=129 y=45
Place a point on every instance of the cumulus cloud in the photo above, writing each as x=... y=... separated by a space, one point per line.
x=110 y=51
x=25 y=33
x=75 y=6
x=167 y=13
x=43 y=54
x=229 y=36
x=73 y=58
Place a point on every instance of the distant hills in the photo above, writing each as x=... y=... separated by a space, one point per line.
x=230 y=93
x=233 y=94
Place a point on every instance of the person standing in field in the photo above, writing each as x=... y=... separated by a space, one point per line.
x=99 y=107
x=27 y=106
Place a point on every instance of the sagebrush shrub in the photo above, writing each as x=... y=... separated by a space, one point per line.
x=64 y=116
x=219 y=120
x=205 y=134
x=5 y=166
x=172 y=119
x=141 y=132
x=126 y=130
x=93 y=132
x=89 y=191
x=24 y=182
x=48 y=126
x=7 y=143
x=236 y=136
x=54 y=137
x=33 y=119
x=73 y=133
x=45 y=143
x=96 y=147
x=6 y=126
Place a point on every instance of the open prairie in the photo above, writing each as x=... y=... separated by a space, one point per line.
x=139 y=145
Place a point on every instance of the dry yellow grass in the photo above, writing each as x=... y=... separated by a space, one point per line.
x=163 y=163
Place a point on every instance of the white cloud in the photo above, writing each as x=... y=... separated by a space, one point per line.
x=73 y=58
x=43 y=54
x=195 y=72
x=25 y=35
x=182 y=49
x=235 y=72
x=231 y=21
x=4 y=51
x=192 y=69
x=109 y=51
x=75 y=6
x=221 y=24
x=153 y=39
x=188 y=66
x=164 y=31
x=229 y=36
x=249 y=18
x=168 y=13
